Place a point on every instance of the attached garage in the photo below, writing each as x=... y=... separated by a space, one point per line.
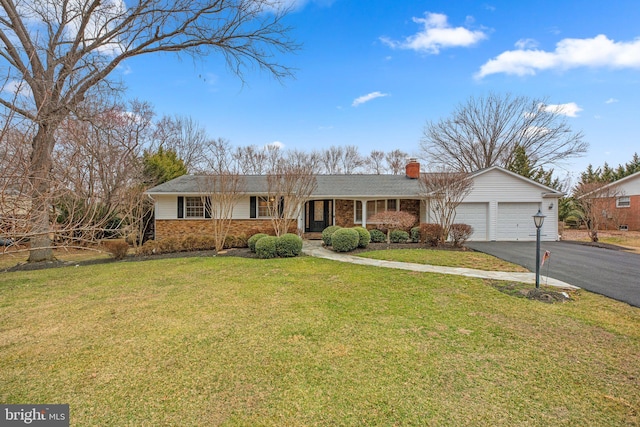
x=476 y=215
x=515 y=221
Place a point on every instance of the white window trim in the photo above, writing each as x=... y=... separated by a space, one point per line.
x=627 y=202
x=262 y=199
x=365 y=212
x=186 y=207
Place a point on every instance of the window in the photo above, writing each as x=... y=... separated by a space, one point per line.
x=194 y=207
x=623 y=202
x=374 y=207
x=624 y=228
x=265 y=204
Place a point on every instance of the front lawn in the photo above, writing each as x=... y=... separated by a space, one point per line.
x=305 y=341
x=464 y=259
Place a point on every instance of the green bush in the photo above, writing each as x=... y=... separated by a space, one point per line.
x=328 y=232
x=365 y=237
x=345 y=240
x=288 y=245
x=415 y=234
x=266 y=247
x=377 y=236
x=399 y=236
x=253 y=240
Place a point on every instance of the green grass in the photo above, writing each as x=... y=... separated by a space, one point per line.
x=475 y=260
x=231 y=341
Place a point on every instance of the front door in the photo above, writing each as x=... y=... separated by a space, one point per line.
x=318 y=215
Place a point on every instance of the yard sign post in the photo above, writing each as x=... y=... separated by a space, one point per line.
x=538 y=220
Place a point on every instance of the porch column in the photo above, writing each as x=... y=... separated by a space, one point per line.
x=364 y=213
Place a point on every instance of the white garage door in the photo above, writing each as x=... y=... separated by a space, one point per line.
x=474 y=214
x=515 y=221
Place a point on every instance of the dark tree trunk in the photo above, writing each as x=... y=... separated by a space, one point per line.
x=40 y=179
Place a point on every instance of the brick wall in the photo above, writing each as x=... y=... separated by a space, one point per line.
x=344 y=213
x=411 y=206
x=184 y=227
x=624 y=216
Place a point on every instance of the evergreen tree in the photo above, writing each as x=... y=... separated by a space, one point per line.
x=162 y=166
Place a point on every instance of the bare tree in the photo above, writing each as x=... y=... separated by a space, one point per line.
x=289 y=186
x=97 y=169
x=486 y=131
x=184 y=136
x=375 y=162
x=222 y=191
x=396 y=161
x=251 y=159
x=61 y=52
x=337 y=160
x=393 y=220
x=596 y=202
x=443 y=191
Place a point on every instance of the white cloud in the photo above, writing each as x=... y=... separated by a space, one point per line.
x=526 y=44
x=437 y=34
x=611 y=101
x=17 y=87
x=569 y=109
x=275 y=144
x=367 y=98
x=596 y=52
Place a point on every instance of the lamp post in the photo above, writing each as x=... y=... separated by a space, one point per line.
x=538 y=220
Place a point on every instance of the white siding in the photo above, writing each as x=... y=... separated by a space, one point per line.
x=515 y=221
x=630 y=187
x=476 y=215
x=166 y=207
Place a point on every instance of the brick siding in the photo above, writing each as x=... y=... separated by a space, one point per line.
x=184 y=227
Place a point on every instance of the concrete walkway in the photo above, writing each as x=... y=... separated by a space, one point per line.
x=314 y=248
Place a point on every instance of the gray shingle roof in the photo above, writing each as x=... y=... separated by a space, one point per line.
x=383 y=186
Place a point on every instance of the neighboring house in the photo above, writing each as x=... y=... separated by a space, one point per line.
x=622 y=209
x=499 y=207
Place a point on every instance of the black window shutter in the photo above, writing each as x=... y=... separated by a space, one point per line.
x=281 y=207
x=180 y=207
x=207 y=207
x=253 y=206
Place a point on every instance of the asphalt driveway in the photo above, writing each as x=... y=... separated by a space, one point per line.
x=612 y=273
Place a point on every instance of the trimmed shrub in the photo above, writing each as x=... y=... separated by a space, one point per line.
x=377 y=236
x=170 y=244
x=398 y=236
x=116 y=247
x=266 y=247
x=149 y=247
x=288 y=245
x=235 y=241
x=415 y=234
x=328 y=232
x=460 y=233
x=206 y=243
x=365 y=237
x=191 y=242
x=345 y=240
x=253 y=240
x=431 y=233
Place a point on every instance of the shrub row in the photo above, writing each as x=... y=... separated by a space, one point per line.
x=192 y=242
x=287 y=245
x=346 y=239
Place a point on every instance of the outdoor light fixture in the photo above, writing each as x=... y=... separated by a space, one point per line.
x=550 y=205
x=538 y=220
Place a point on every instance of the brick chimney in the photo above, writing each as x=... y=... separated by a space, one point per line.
x=413 y=169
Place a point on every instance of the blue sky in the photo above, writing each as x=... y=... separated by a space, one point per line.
x=371 y=73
